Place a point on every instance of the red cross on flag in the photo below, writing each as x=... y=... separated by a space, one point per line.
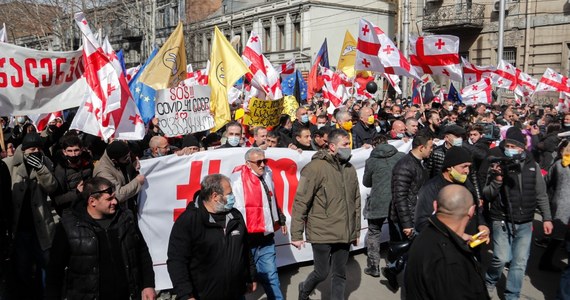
x=265 y=77
x=553 y=81
x=436 y=55
x=563 y=102
x=473 y=73
x=109 y=109
x=333 y=89
x=287 y=68
x=42 y=120
x=376 y=52
x=479 y=92
x=526 y=85
x=199 y=77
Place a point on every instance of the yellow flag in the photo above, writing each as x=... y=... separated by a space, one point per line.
x=226 y=67
x=168 y=68
x=347 y=55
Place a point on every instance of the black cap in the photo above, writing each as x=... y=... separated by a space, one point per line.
x=456 y=130
x=190 y=141
x=456 y=156
x=516 y=137
x=117 y=150
x=32 y=139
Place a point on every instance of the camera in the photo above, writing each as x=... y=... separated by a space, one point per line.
x=490 y=131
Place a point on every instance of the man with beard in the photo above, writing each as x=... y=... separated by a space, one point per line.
x=432 y=128
x=115 y=165
x=71 y=172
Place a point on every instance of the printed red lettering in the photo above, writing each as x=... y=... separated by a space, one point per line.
x=290 y=168
x=47 y=77
x=69 y=76
x=186 y=191
x=59 y=75
x=3 y=75
x=31 y=64
x=18 y=79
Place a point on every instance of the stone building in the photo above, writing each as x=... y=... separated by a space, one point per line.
x=289 y=28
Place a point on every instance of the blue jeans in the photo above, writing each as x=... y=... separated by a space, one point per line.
x=264 y=257
x=508 y=248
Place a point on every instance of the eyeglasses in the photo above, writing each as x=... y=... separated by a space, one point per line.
x=259 y=162
x=110 y=190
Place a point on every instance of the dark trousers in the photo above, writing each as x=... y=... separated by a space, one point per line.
x=326 y=256
x=373 y=241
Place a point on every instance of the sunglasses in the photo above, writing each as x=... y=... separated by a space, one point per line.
x=259 y=162
x=110 y=190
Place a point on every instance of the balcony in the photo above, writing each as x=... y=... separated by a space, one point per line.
x=447 y=18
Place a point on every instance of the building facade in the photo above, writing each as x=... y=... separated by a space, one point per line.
x=288 y=28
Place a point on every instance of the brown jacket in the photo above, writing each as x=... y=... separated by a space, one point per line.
x=327 y=202
x=123 y=190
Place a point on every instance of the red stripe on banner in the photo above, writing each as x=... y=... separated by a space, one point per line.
x=214 y=166
x=186 y=191
x=509 y=76
x=253 y=201
x=367 y=47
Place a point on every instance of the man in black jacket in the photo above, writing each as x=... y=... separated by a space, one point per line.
x=98 y=251
x=456 y=168
x=408 y=176
x=440 y=264
x=70 y=173
x=364 y=131
x=208 y=253
x=514 y=190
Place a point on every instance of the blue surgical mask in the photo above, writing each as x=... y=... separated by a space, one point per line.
x=304 y=118
x=231 y=200
x=400 y=135
x=511 y=152
x=382 y=123
x=21 y=120
x=233 y=140
x=458 y=142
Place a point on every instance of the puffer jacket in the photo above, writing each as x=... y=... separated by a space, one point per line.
x=39 y=183
x=125 y=188
x=378 y=176
x=408 y=176
x=68 y=178
x=435 y=161
x=327 y=202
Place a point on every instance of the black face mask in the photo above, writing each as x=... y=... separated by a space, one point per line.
x=73 y=159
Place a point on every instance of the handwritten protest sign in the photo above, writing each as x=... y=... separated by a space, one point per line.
x=264 y=112
x=290 y=106
x=184 y=109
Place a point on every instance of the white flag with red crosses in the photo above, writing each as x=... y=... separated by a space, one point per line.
x=553 y=81
x=436 y=55
x=109 y=110
x=265 y=77
x=479 y=92
x=473 y=73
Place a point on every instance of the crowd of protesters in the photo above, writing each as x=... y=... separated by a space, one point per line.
x=474 y=173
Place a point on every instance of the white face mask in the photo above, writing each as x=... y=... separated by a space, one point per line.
x=458 y=142
x=319 y=126
x=378 y=128
x=233 y=140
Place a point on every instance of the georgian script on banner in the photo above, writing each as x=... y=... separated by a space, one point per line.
x=264 y=112
x=172 y=181
x=184 y=109
x=35 y=82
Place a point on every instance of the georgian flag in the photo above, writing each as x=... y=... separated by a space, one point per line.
x=264 y=75
x=376 y=52
x=333 y=89
x=436 y=55
x=109 y=109
x=394 y=81
x=42 y=120
x=473 y=73
x=479 y=92
x=526 y=85
x=251 y=199
x=552 y=81
x=287 y=68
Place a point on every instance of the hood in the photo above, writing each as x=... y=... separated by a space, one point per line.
x=384 y=151
x=18 y=157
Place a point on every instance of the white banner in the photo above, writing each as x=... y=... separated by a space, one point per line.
x=171 y=182
x=184 y=109
x=35 y=82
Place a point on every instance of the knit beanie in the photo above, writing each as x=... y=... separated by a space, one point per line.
x=516 y=137
x=117 y=150
x=456 y=156
x=32 y=139
x=190 y=141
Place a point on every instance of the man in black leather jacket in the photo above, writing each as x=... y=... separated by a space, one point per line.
x=98 y=251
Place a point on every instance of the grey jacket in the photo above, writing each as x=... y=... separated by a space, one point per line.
x=123 y=190
x=378 y=176
x=558 y=180
x=39 y=184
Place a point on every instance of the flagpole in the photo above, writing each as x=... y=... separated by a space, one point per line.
x=406 y=27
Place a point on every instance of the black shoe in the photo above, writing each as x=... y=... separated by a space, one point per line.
x=301 y=291
x=392 y=280
x=373 y=271
x=549 y=268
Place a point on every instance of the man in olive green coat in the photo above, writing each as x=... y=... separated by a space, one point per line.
x=327 y=207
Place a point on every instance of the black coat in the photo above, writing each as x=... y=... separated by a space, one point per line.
x=68 y=178
x=408 y=176
x=206 y=261
x=441 y=266
x=91 y=262
x=363 y=134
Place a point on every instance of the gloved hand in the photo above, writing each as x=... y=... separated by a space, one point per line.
x=35 y=160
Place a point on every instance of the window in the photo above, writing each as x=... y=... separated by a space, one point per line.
x=296 y=35
x=160 y=19
x=175 y=17
x=510 y=55
x=281 y=33
x=267 y=38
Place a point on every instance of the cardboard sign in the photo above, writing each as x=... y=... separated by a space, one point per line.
x=265 y=112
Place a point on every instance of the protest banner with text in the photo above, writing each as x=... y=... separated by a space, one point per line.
x=36 y=82
x=183 y=109
x=171 y=182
